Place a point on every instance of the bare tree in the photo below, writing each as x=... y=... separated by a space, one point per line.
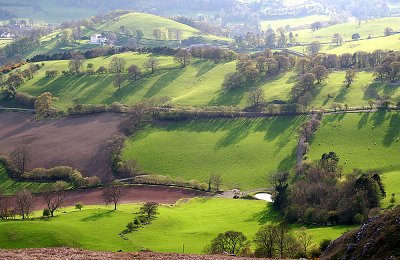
x=24 y=203
x=216 y=179
x=134 y=72
x=3 y=206
x=137 y=116
x=152 y=63
x=183 y=57
x=304 y=239
x=350 y=75
x=21 y=158
x=113 y=194
x=256 y=97
x=117 y=65
x=54 y=196
x=118 y=80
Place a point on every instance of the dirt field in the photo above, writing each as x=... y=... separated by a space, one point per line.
x=134 y=193
x=77 y=141
x=75 y=254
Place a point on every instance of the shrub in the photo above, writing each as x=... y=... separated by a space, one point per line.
x=323 y=245
x=46 y=213
x=79 y=206
x=24 y=100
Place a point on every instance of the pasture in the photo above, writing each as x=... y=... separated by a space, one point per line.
x=293 y=22
x=243 y=151
x=193 y=223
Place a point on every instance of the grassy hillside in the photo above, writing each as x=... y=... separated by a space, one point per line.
x=242 y=151
x=364 y=141
x=198 y=84
x=193 y=223
x=293 y=22
x=9 y=186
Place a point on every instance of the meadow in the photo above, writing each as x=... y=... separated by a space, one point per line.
x=293 y=22
x=367 y=141
x=193 y=223
x=9 y=186
x=243 y=151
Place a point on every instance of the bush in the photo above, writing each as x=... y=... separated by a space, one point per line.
x=24 y=100
x=46 y=213
x=323 y=245
x=79 y=206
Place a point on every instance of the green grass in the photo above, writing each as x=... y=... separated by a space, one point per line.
x=193 y=223
x=9 y=186
x=368 y=141
x=293 y=22
x=364 y=141
x=4 y=42
x=242 y=151
x=196 y=85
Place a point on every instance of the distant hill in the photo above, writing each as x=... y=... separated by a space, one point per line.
x=377 y=239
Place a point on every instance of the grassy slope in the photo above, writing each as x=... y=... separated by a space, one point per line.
x=9 y=186
x=243 y=151
x=197 y=84
x=293 y=22
x=193 y=223
x=364 y=141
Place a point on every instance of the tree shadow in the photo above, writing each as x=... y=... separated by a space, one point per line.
x=341 y=96
x=289 y=161
x=268 y=214
x=363 y=120
x=97 y=216
x=236 y=134
x=379 y=117
x=165 y=80
x=203 y=67
x=393 y=130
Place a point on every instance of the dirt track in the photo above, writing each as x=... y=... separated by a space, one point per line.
x=135 y=193
x=78 y=141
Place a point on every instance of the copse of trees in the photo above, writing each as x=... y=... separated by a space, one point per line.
x=316 y=196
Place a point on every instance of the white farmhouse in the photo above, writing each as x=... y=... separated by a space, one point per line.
x=7 y=35
x=97 y=39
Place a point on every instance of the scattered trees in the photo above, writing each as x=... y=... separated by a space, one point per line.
x=231 y=242
x=113 y=194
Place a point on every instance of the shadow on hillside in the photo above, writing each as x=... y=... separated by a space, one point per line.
x=288 y=162
x=341 y=96
x=268 y=214
x=166 y=79
x=393 y=130
x=379 y=117
x=203 y=67
x=363 y=120
x=97 y=216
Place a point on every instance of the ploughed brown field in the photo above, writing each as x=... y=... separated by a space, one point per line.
x=78 y=141
x=75 y=254
x=134 y=193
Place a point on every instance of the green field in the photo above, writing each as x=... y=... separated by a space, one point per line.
x=193 y=224
x=4 y=42
x=242 y=151
x=9 y=186
x=293 y=22
x=367 y=141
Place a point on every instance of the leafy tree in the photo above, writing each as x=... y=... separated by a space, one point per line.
x=76 y=63
x=43 y=105
x=350 y=76
x=303 y=65
x=305 y=239
x=320 y=73
x=134 y=72
x=231 y=242
x=149 y=209
x=388 y=31
x=183 y=57
x=266 y=240
x=79 y=206
x=113 y=194
x=316 y=26
x=338 y=39
x=256 y=97
x=216 y=180
x=15 y=80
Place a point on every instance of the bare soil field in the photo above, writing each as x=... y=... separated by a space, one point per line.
x=78 y=254
x=134 y=193
x=78 y=141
